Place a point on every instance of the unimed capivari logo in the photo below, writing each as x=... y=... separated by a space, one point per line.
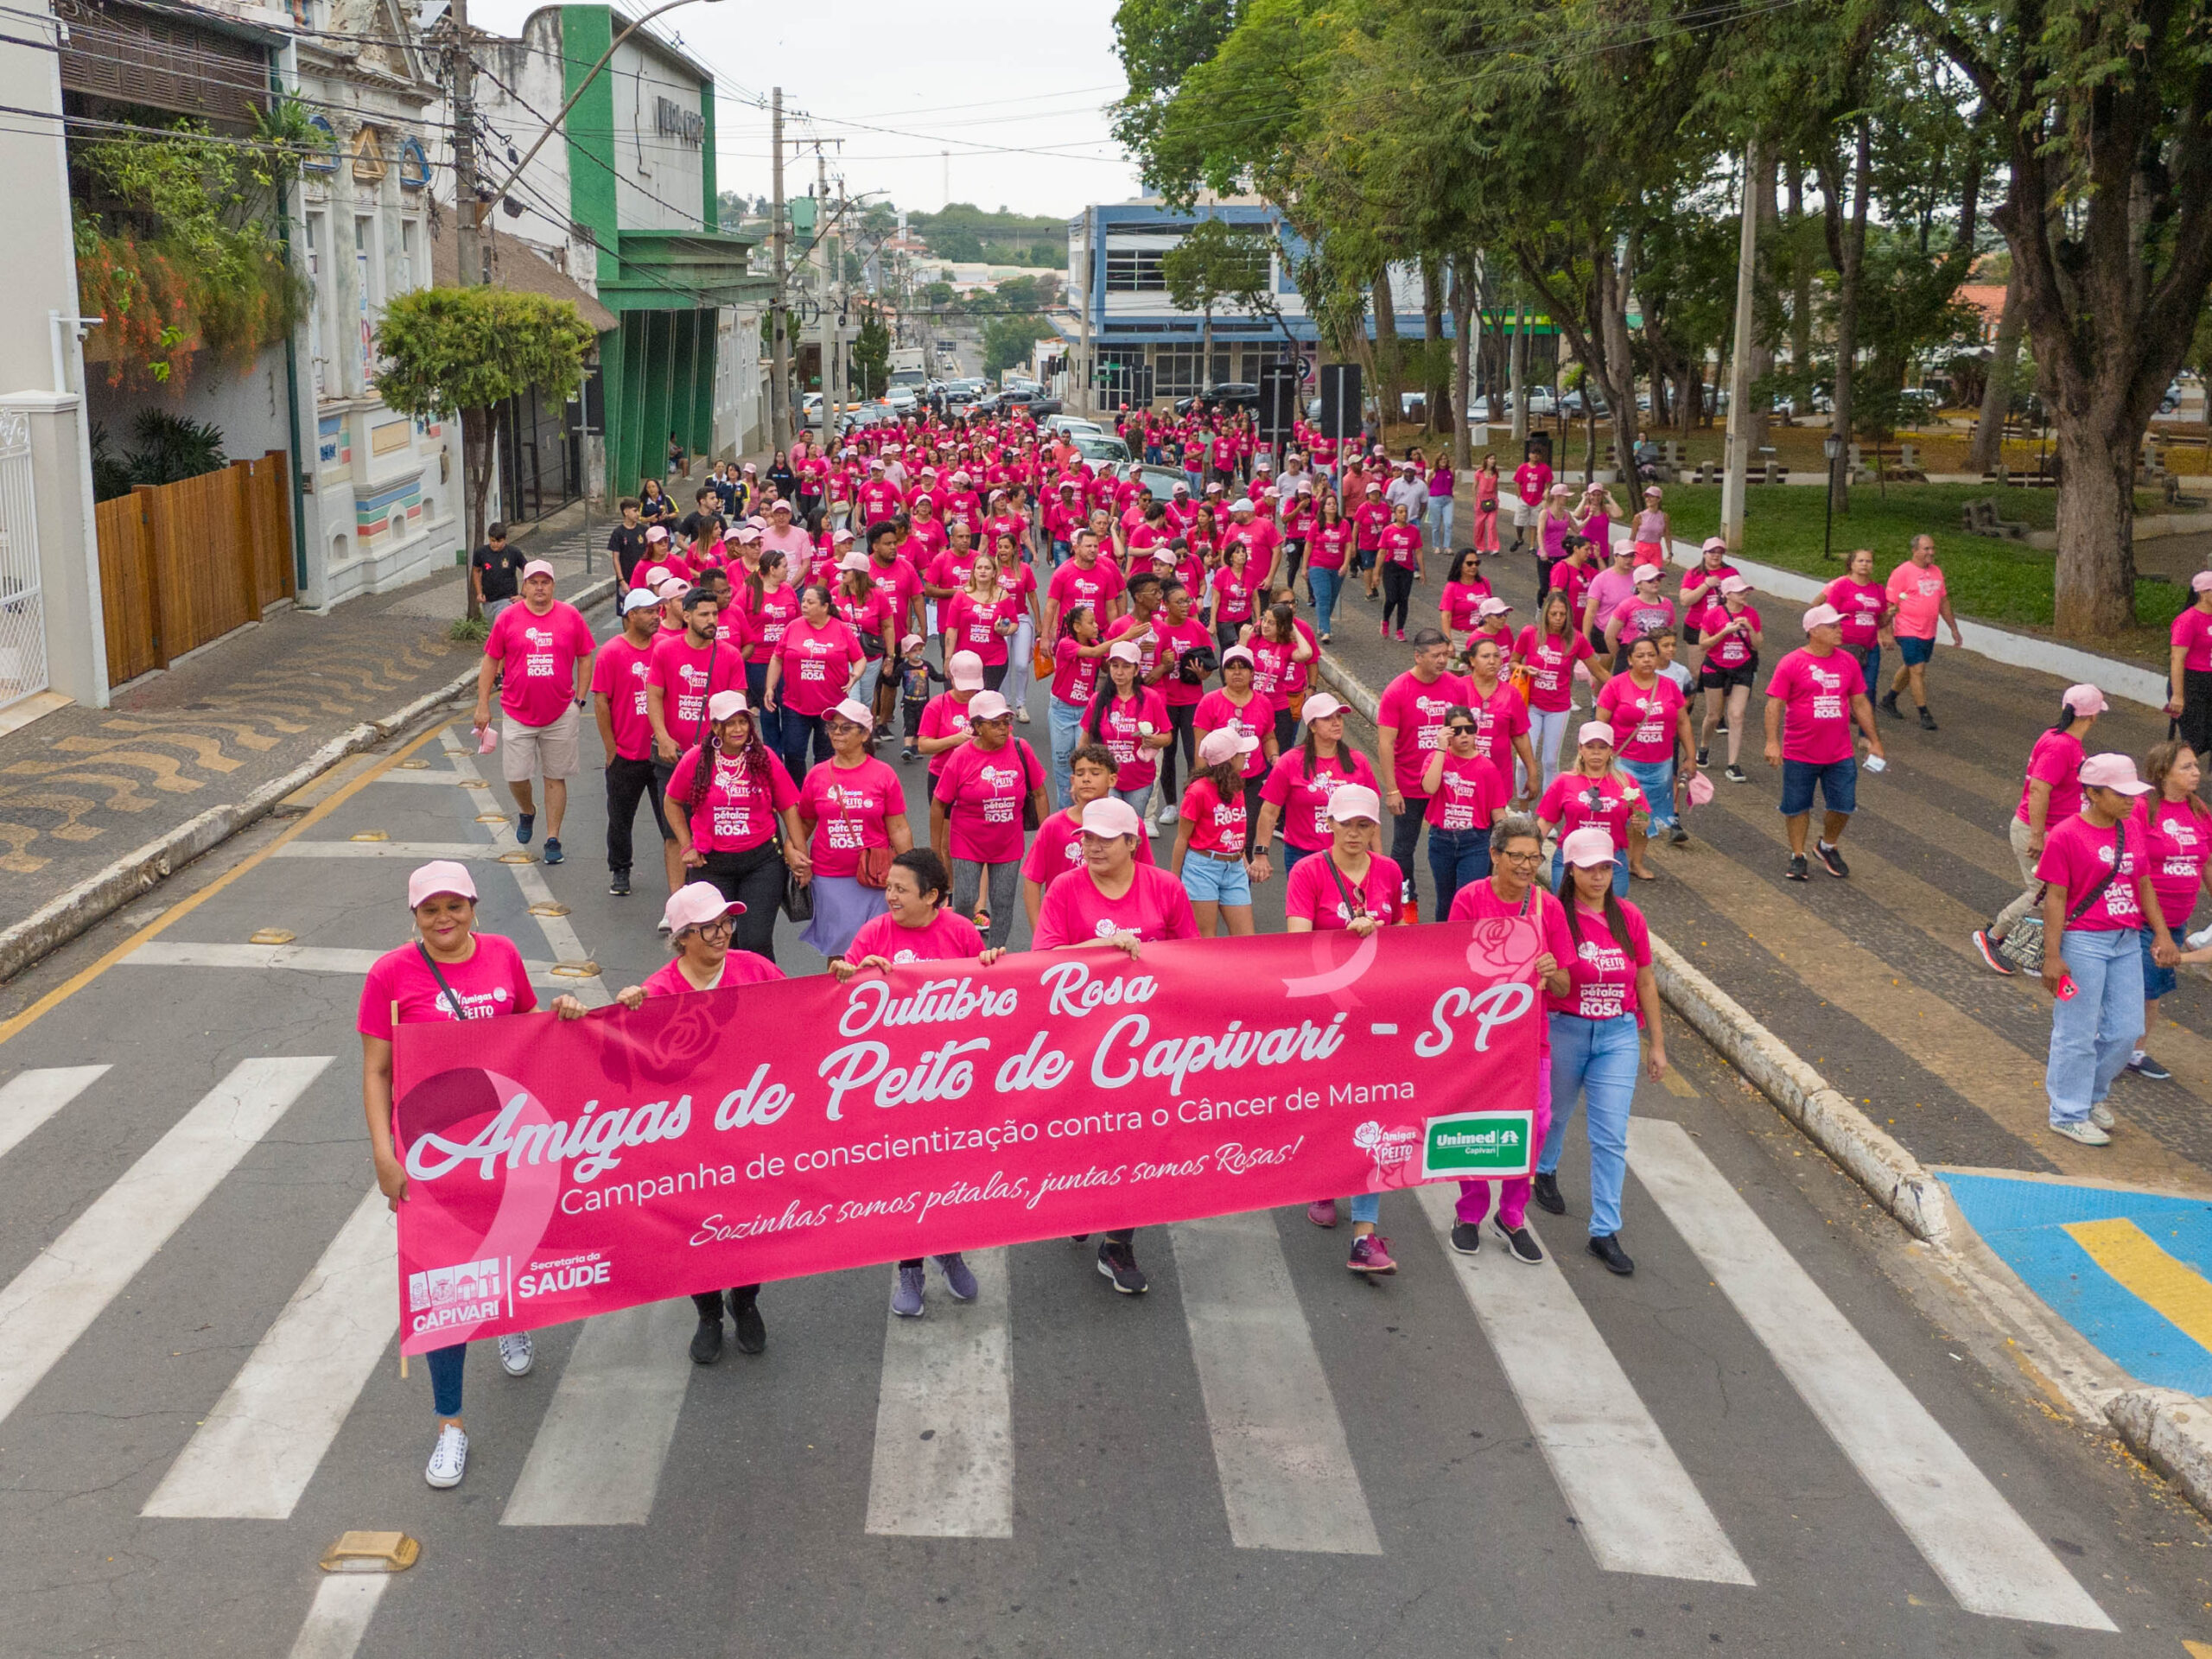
x=456 y=1288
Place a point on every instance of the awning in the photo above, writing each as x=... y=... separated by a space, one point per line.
x=516 y=266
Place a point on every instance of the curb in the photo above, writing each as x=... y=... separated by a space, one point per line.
x=2172 y=1433
x=102 y=893
x=1894 y=1177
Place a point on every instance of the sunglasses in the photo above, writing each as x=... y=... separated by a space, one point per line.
x=1461 y=731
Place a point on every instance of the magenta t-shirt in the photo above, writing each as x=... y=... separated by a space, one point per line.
x=1156 y=909
x=982 y=791
x=1311 y=893
x=1175 y=638
x=1502 y=717
x=738 y=811
x=1551 y=659
x=949 y=936
x=739 y=968
x=2179 y=840
x=493 y=982
x=1072 y=585
x=1400 y=544
x=619 y=670
x=1256 y=719
x=942 y=715
x=1118 y=729
x=849 y=806
x=1574 y=798
x=540 y=654
x=1303 y=802
x=818 y=662
x=1330 y=546
x=1734 y=651
x=1461 y=603
x=974 y=624
x=1603 y=971
x=1861 y=604
x=1479 y=902
x=1469 y=793
x=1417 y=711
x=1074 y=676
x=1816 y=694
x=2076 y=855
x=2192 y=634
x=1643 y=722
x=1217 y=825
x=683 y=672
x=2056 y=761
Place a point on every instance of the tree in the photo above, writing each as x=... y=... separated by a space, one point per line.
x=1007 y=341
x=1160 y=41
x=1215 y=263
x=871 y=355
x=443 y=350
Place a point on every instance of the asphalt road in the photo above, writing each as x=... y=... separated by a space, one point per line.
x=1776 y=1439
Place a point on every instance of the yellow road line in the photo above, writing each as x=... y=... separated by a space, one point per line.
x=2196 y=1649
x=85 y=976
x=2142 y=1266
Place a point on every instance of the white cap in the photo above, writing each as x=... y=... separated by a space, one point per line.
x=1348 y=803
x=1592 y=844
x=639 y=599
x=853 y=710
x=1492 y=606
x=1734 y=585
x=989 y=705
x=1123 y=651
x=1109 y=817
x=853 y=561
x=1242 y=504
x=1594 y=731
x=1821 y=616
x=537 y=567
x=965 y=670
x=1225 y=743
x=723 y=704
x=440 y=876
x=1319 y=705
x=1649 y=573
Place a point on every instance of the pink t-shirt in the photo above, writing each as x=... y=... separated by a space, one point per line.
x=2056 y=761
x=2179 y=840
x=1256 y=719
x=904 y=583
x=974 y=624
x=942 y=715
x=619 y=670
x=1862 y=604
x=1071 y=585
x=1400 y=544
x=1175 y=638
x=1074 y=676
x=2192 y=634
x=1502 y=716
x=1217 y=825
x=949 y=937
x=739 y=968
x=1329 y=547
x=739 y=810
x=1232 y=592
x=1460 y=602
x=684 y=672
x=1148 y=647
x=765 y=623
x=1640 y=618
x=1058 y=848
x=1303 y=801
x=1471 y=790
x=492 y=982
x=1156 y=909
x=1118 y=729
x=849 y=807
x=1603 y=973
x=1551 y=661
x=983 y=790
x=1574 y=798
x=818 y=663
x=1816 y=694
x=1643 y=722
x=1918 y=596
x=1311 y=891
x=2076 y=856
x=1735 y=650
x=540 y=654
x=1273 y=669
x=1479 y=902
x=1417 y=711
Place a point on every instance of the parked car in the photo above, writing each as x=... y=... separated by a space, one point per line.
x=1029 y=397
x=1099 y=446
x=1159 y=480
x=1074 y=423
x=1581 y=399
x=1231 y=394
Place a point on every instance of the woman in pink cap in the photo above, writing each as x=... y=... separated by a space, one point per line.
x=2051 y=794
x=991 y=785
x=700 y=920
x=1349 y=887
x=448 y=971
x=733 y=809
x=1130 y=718
x=2097 y=894
x=2189 y=668
x=1595 y=790
x=1593 y=1029
x=1296 y=792
x=2177 y=829
x=1645 y=614
x=1730 y=631
x=1239 y=704
x=1113 y=901
x=1213 y=835
x=853 y=809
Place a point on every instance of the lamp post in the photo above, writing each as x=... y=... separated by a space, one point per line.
x=1832 y=447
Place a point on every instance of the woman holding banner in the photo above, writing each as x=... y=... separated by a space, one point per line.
x=1058 y=846
x=1511 y=891
x=1112 y=900
x=1351 y=888
x=727 y=800
x=977 y=813
x=1594 y=1035
x=698 y=917
x=450 y=971
x=917 y=926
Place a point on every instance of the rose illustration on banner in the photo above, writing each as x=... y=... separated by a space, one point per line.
x=1502 y=947
x=1396 y=1150
x=661 y=1044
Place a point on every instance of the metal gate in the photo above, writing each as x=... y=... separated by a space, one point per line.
x=22 y=611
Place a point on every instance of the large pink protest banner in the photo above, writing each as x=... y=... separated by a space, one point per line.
x=562 y=1169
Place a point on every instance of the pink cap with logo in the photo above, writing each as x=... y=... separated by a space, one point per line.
x=965 y=670
x=1592 y=844
x=1348 y=803
x=1109 y=817
x=440 y=876
x=694 y=904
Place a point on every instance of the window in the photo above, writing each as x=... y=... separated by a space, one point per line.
x=318 y=306
x=368 y=291
x=408 y=229
x=1175 y=371
x=1134 y=270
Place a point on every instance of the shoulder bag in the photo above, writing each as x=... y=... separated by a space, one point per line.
x=460 y=1008
x=2023 y=944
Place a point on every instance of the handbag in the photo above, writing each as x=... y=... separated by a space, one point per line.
x=874 y=867
x=1522 y=679
x=1030 y=818
x=2023 y=944
x=1040 y=662
x=1192 y=666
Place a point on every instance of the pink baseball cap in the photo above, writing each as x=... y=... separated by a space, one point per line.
x=2113 y=772
x=965 y=670
x=723 y=704
x=671 y=588
x=1225 y=743
x=1239 y=654
x=1492 y=606
x=1123 y=651
x=1649 y=572
x=1734 y=585
x=440 y=876
x=1348 y=803
x=1714 y=543
x=1108 y=817
x=1591 y=845
x=912 y=640
x=2085 y=700
x=657 y=533
x=1822 y=616
x=1321 y=705
x=853 y=561
x=989 y=705
x=853 y=710
x=695 y=904
x=2201 y=583
x=537 y=567
x=1594 y=731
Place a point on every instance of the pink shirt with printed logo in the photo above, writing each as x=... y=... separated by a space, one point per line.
x=1735 y=650
x=738 y=811
x=2177 y=837
x=492 y=982
x=2192 y=635
x=1256 y=719
x=851 y=806
x=1311 y=891
x=739 y=968
x=1417 y=710
x=1156 y=909
x=1551 y=659
x=540 y=654
x=1816 y=694
x=1603 y=969
x=1574 y=798
x=982 y=791
x=620 y=670
x=1917 y=593
x=1117 y=728
x=1470 y=792
x=2076 y=856
x=1217 y=825
x=684 y=672
x=818 y=663
x=2055 y=761
x=1303 y=801
x=949 y=937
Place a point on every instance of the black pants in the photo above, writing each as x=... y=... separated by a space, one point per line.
x=1397 y=593
x=627 y=780
x=1405 y=841
x=756 y=878
x=2195 y=726
x=1286 y=730
x=1294 y=555
x=912 y=708
x=1252 y=806
x=801 y=732
x=994 y=676
x=709 y=1302
x=1182 y=733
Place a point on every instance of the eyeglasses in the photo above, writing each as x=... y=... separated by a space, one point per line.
x=720 y=924
x=1522 y=858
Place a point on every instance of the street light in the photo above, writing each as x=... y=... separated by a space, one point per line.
x=1832 y=447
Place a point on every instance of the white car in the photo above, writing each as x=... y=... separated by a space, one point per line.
x=1073 y=424
x=902 y=399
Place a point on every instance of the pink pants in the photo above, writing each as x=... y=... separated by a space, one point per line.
x=1485 y=531
x=1512 y=1196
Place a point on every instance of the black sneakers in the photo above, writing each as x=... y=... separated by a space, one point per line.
x=752 y=1329
x=1734 y=774
x=618 y=883
x=1607 y=1248
x=706 y=1340
x=1119 y=1263
x=1799 y=871
x=1890 y=704
x=1545 y=1190
x=1467 y=1237
x=1519 y=1242
x=1927 y=719
x=1832 y=859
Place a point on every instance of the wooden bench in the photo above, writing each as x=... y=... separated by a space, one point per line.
x=1979 y=518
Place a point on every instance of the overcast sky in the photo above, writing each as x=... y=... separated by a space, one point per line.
x=980 y=79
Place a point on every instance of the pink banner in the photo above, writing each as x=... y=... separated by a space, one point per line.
x=562 y=1169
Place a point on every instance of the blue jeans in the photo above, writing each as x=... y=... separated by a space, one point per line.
x=1870 y=666
x=2093 y=1033
x=2160 y=982
x=1597 y=1058
x=1440 y=523
x=1326 y=585
x=1657 y=778
x=1065 y=720
x=1197 y=480
x=1559 y=874
x=1456 y=857
x=1367 y=1207
x=447 y=1365
x=769 y=722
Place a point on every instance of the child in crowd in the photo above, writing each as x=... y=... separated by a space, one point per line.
x=916 y=671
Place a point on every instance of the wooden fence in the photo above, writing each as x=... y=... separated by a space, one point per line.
x=184 y=564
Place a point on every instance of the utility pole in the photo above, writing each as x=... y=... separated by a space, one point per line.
x=780 y=382
x=1737 y=460
x=461 y=76
x=1082 y=286
x=837 y=318
x=819 y=257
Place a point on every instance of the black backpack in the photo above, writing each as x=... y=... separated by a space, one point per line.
x=1192 y=666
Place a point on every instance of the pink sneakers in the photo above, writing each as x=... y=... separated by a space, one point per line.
x=1322 y=1212
x=1370 y=1253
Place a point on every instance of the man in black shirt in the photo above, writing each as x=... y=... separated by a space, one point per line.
x=707 y=513
x=627 y=542
x=495 y=569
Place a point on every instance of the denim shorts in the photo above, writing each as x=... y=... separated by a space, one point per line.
x=1839 y=782
x=2158 y=981
x=1913 y=652
x=1224 y=881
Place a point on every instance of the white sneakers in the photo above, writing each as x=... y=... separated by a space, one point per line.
x=2087 y=1132
x=2100 y=1115
x=516 y=1355
x=448 y=1458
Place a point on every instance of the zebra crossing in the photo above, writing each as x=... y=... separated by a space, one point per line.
x=945 y=1452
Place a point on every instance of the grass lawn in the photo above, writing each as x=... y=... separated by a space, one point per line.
x=2001 y=582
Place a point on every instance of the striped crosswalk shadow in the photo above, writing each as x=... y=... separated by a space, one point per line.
x=943 y=1464
x=28 y=1098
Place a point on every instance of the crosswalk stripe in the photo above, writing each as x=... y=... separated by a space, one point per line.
x=344 y=1604
x=943 y=1464
x=417 y=852
x=28 y=1098
x=1632 y=1501
x=1990 y=1559
x=53 y=1301
x=597 y=1458
x=257 y=1449
x=1287 y=1474
x=297 y=958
